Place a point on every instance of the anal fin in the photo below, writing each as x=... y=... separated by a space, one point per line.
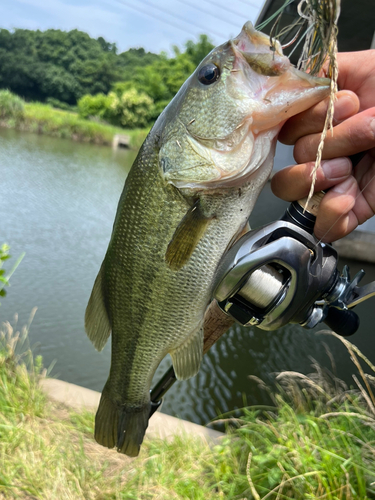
x=186 y=237
x=187 y=358
x=97 y=323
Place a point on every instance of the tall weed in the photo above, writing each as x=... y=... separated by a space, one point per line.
x=11 y=106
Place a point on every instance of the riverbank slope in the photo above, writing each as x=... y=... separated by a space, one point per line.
x=44 y=119
x=316 y=441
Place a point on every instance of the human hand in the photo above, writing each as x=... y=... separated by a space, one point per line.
x=351 y=199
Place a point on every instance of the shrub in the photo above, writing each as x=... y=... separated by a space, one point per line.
x=4 y=255
x=130 y=109
x=55 y=103
x=93 y=105
x=11 y=106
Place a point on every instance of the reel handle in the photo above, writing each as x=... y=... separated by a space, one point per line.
x=343 y=322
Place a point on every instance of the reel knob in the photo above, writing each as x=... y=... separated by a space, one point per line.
x=342 y=321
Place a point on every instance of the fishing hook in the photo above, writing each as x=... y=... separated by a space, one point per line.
x=272 y=38
x=288 y=44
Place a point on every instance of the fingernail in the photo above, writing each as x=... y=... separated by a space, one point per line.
x=345 y=106
x=336 y=168
x=344 y=187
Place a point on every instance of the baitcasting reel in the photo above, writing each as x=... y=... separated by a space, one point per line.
x=281 y=274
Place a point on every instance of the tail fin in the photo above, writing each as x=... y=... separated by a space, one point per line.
x=121 y=426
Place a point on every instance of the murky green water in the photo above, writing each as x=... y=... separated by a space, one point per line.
x=57 y=203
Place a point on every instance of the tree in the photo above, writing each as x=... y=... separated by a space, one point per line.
x=63 y=65
x=198 y=51
x=58 y=66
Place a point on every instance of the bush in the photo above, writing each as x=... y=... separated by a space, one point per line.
x=131 y=109
x=11 y=106
x=125 y=107
x=55 y=103
x=93 y=105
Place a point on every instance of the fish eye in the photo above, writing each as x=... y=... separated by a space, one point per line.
x=209 y=74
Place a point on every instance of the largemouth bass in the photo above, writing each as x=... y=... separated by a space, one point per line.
x=187 y=197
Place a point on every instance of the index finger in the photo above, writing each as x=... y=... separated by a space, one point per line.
x=352 y=136
x=312 y=120
x=357 y=73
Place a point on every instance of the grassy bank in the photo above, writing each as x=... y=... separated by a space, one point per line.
x=318 y=441
x=44 y=119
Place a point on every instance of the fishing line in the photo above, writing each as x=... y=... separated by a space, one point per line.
x=301 y=39
x=275 y=14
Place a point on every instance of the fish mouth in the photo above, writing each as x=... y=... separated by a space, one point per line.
x=255 y=48
x=252 y=41
x=268 y=60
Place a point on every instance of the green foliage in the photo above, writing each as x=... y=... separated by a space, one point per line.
x=162 y=78
x=19 y=376
x=130 y=109
x=125 y=107
x=11 y=106
x=67 y=125
x=63 y=68
x=4 y=255
x=93 y=105
x=198 y=51
x=55 y=103
x=128 y=61
x=318 y=441
x=63 y=65
x=148 y=89
x=44 y=119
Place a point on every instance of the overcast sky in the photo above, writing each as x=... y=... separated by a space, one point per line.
x=153 y=24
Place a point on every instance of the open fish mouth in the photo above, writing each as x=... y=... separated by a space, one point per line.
x=266 y=59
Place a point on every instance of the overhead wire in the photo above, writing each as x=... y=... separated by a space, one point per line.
x=215 y=4
x=206 y=12
x=154 y=16
x=252 y=4
x=180 y=18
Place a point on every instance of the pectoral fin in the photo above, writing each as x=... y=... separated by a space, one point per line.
x=97 y=324
x=187 y=358
x=186 y=237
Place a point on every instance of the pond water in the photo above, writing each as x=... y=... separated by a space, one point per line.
x=57 y=203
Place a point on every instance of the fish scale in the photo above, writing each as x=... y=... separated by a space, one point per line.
x=187 y=197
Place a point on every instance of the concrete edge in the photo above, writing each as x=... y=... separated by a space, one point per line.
x=160 y=425
x=358 y=245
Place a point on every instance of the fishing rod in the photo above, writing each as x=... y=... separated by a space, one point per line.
x=279 y=274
